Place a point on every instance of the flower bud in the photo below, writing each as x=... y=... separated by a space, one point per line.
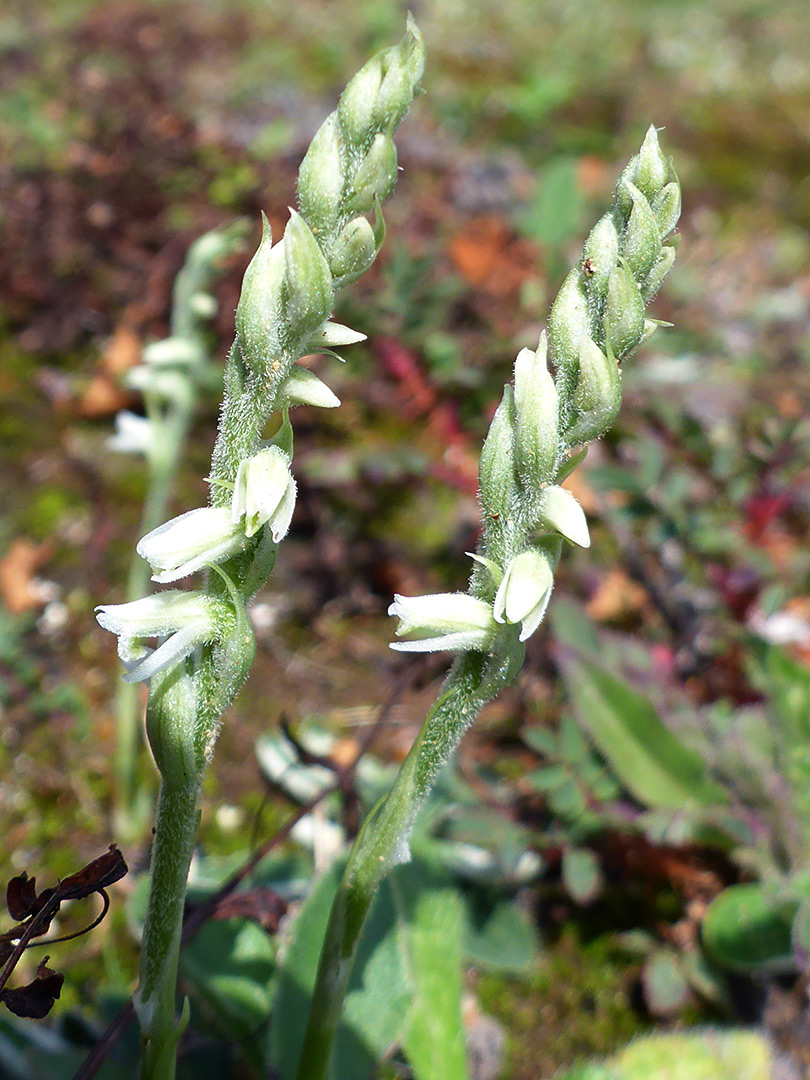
x=624 y=312
x=358 y=109
x=189 y=542
x=524 y=593
x=496 y=470
x=560 y=511
x=402 y=66
x=376 y=175
x=597 y=396
x=303 y=387
x=641 y=243
x=175 y=351
x=652 y=170
x=536 y=409
x=656 y=276
x=320 y=177
x=185 y=619
x=667 y=208
x=133 y=434
x=257 y=314
x=264 y=493
x=443 y=622
x=568 y=321
x=600 y=254
x=332 y=335
x=353 y=252
x=308 y=278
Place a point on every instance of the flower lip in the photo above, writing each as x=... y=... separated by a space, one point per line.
x=184 y=619
x=189 y=542
x=264 y=493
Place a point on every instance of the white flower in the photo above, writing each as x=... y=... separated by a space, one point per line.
x=133 y=434
x=524 y=593
x=561 y=512
x=184 y=619
x=191 y=541
x=264 y=493
x=443 y=622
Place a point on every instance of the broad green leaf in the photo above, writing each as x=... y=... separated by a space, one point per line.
x=230 y=965
x=500 y=935
x=649 y=760
x=746 y=930
x=433 y=917
x=379 y=992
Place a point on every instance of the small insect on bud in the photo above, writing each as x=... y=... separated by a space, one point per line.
x=524 y=592
x=624 y=312
x=309 y=280
x=600 y=254
x=320 y=177
x=443 y=622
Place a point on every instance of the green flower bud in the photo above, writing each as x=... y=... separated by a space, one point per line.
x=303 y=387
x=402 y=67
x=641 y=243
x=308 y=278
x=600 y=255
x=353 y=252
x=656 y=276
x=496 y=471
x=358 y=109
x=652 y=170
x=598 y=394
x=622 y=196
x=257 y=315
x=320 y=178
x=667 y=208
x=536 y=409
x=376 y=176
x=568 y=321
x=624 y=312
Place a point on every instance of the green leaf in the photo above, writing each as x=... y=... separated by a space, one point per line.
x=500 y=935
x=581 y=874
x=230 y=965
x=434 y=1041
x=745 y=929
x=648 y=759
x=379 y=991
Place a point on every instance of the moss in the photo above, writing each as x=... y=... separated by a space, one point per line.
x=575 y=1006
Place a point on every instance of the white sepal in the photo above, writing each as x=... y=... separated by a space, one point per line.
x=184 y=619
x=443 y=622
x=559 y=510
x=189 y=542
x=264 y=493
x=524 y=593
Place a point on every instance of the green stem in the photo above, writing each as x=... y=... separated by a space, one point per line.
x=382 y=842
x=175 y=833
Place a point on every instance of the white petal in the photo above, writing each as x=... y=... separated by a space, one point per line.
x=441 y=613
x=463 y=641
x=280 y=522
x=174 y=649
x=535 y=617
x=561 y=511
x=188 y=542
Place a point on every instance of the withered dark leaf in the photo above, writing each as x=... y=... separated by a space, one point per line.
x=261 y=905
x=107 y=869
x=37 y=998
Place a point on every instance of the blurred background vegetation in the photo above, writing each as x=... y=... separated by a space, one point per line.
x=128 y=128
